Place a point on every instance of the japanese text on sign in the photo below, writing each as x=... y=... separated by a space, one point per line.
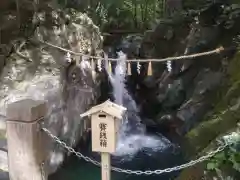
x=103 y=135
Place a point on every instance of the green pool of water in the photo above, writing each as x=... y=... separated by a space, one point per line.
x=75 y=169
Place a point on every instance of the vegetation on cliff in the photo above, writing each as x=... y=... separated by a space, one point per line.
x=172 y=27
x=221 y=122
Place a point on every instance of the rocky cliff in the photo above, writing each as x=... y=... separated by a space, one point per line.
x=178 y=100
x=32 y=69
x=198 y=100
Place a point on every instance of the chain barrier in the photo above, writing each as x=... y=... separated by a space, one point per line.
x=43 y=171
x=128 y=171
x=137 y=172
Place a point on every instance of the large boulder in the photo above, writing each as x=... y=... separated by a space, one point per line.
x=41 y=72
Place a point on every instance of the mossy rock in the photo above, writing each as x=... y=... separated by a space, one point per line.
x=225 y=115
x=224 y=118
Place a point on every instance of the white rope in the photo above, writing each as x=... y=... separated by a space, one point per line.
x=218 y=50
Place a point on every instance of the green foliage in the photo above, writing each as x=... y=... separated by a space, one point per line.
x=122 y=14
x=143 y=14
x=125 y=14
x=190 y=4
x=230 y=157
x=216 y=161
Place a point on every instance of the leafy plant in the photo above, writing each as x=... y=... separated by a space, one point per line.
x=229 y=157
x=128 y=14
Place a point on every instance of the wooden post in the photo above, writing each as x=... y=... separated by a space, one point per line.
x=106 y=166
x=105 y=120
x=25 y=139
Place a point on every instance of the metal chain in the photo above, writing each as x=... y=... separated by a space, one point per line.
x=43 y=171
x=70 y=149
x=138 y=172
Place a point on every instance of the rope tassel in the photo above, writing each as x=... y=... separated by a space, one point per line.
x=109 y=67
x=99 y=64
x=138 y=68
x=169 y=66
x=93 y=64
x=149 y=72
x=129 y=70
x=107 y=63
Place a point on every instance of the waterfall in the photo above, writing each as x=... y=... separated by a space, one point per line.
x=131 y=120
x=132 y=134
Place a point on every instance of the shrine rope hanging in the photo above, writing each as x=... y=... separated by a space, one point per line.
x=168 y=60
x=215 y=51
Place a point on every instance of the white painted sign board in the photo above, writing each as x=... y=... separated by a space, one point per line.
x=104 y=133
x=105 y=120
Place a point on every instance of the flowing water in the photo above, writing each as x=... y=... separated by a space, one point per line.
x=132 y=136
x=136 y=149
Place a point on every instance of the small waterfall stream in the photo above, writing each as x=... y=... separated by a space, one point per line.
x=132 y=136
x=137 y=149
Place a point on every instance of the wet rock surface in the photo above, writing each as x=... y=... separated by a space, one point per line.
x=179 y=100
x=40 y=72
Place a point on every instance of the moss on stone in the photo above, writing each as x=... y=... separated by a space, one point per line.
x=224 y=118
x=225 y=114
x=206 y=132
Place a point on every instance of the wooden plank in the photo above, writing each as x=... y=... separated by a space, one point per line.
x=25 y=139
x=106 y=166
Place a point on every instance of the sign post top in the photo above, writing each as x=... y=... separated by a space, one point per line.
x=104 y=131
x=107 y=107
x=105 y=121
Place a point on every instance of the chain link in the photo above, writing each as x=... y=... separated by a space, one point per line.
x=43 y=171
x=137 y=172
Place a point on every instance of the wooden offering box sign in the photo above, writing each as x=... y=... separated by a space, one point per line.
x=105 y=119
